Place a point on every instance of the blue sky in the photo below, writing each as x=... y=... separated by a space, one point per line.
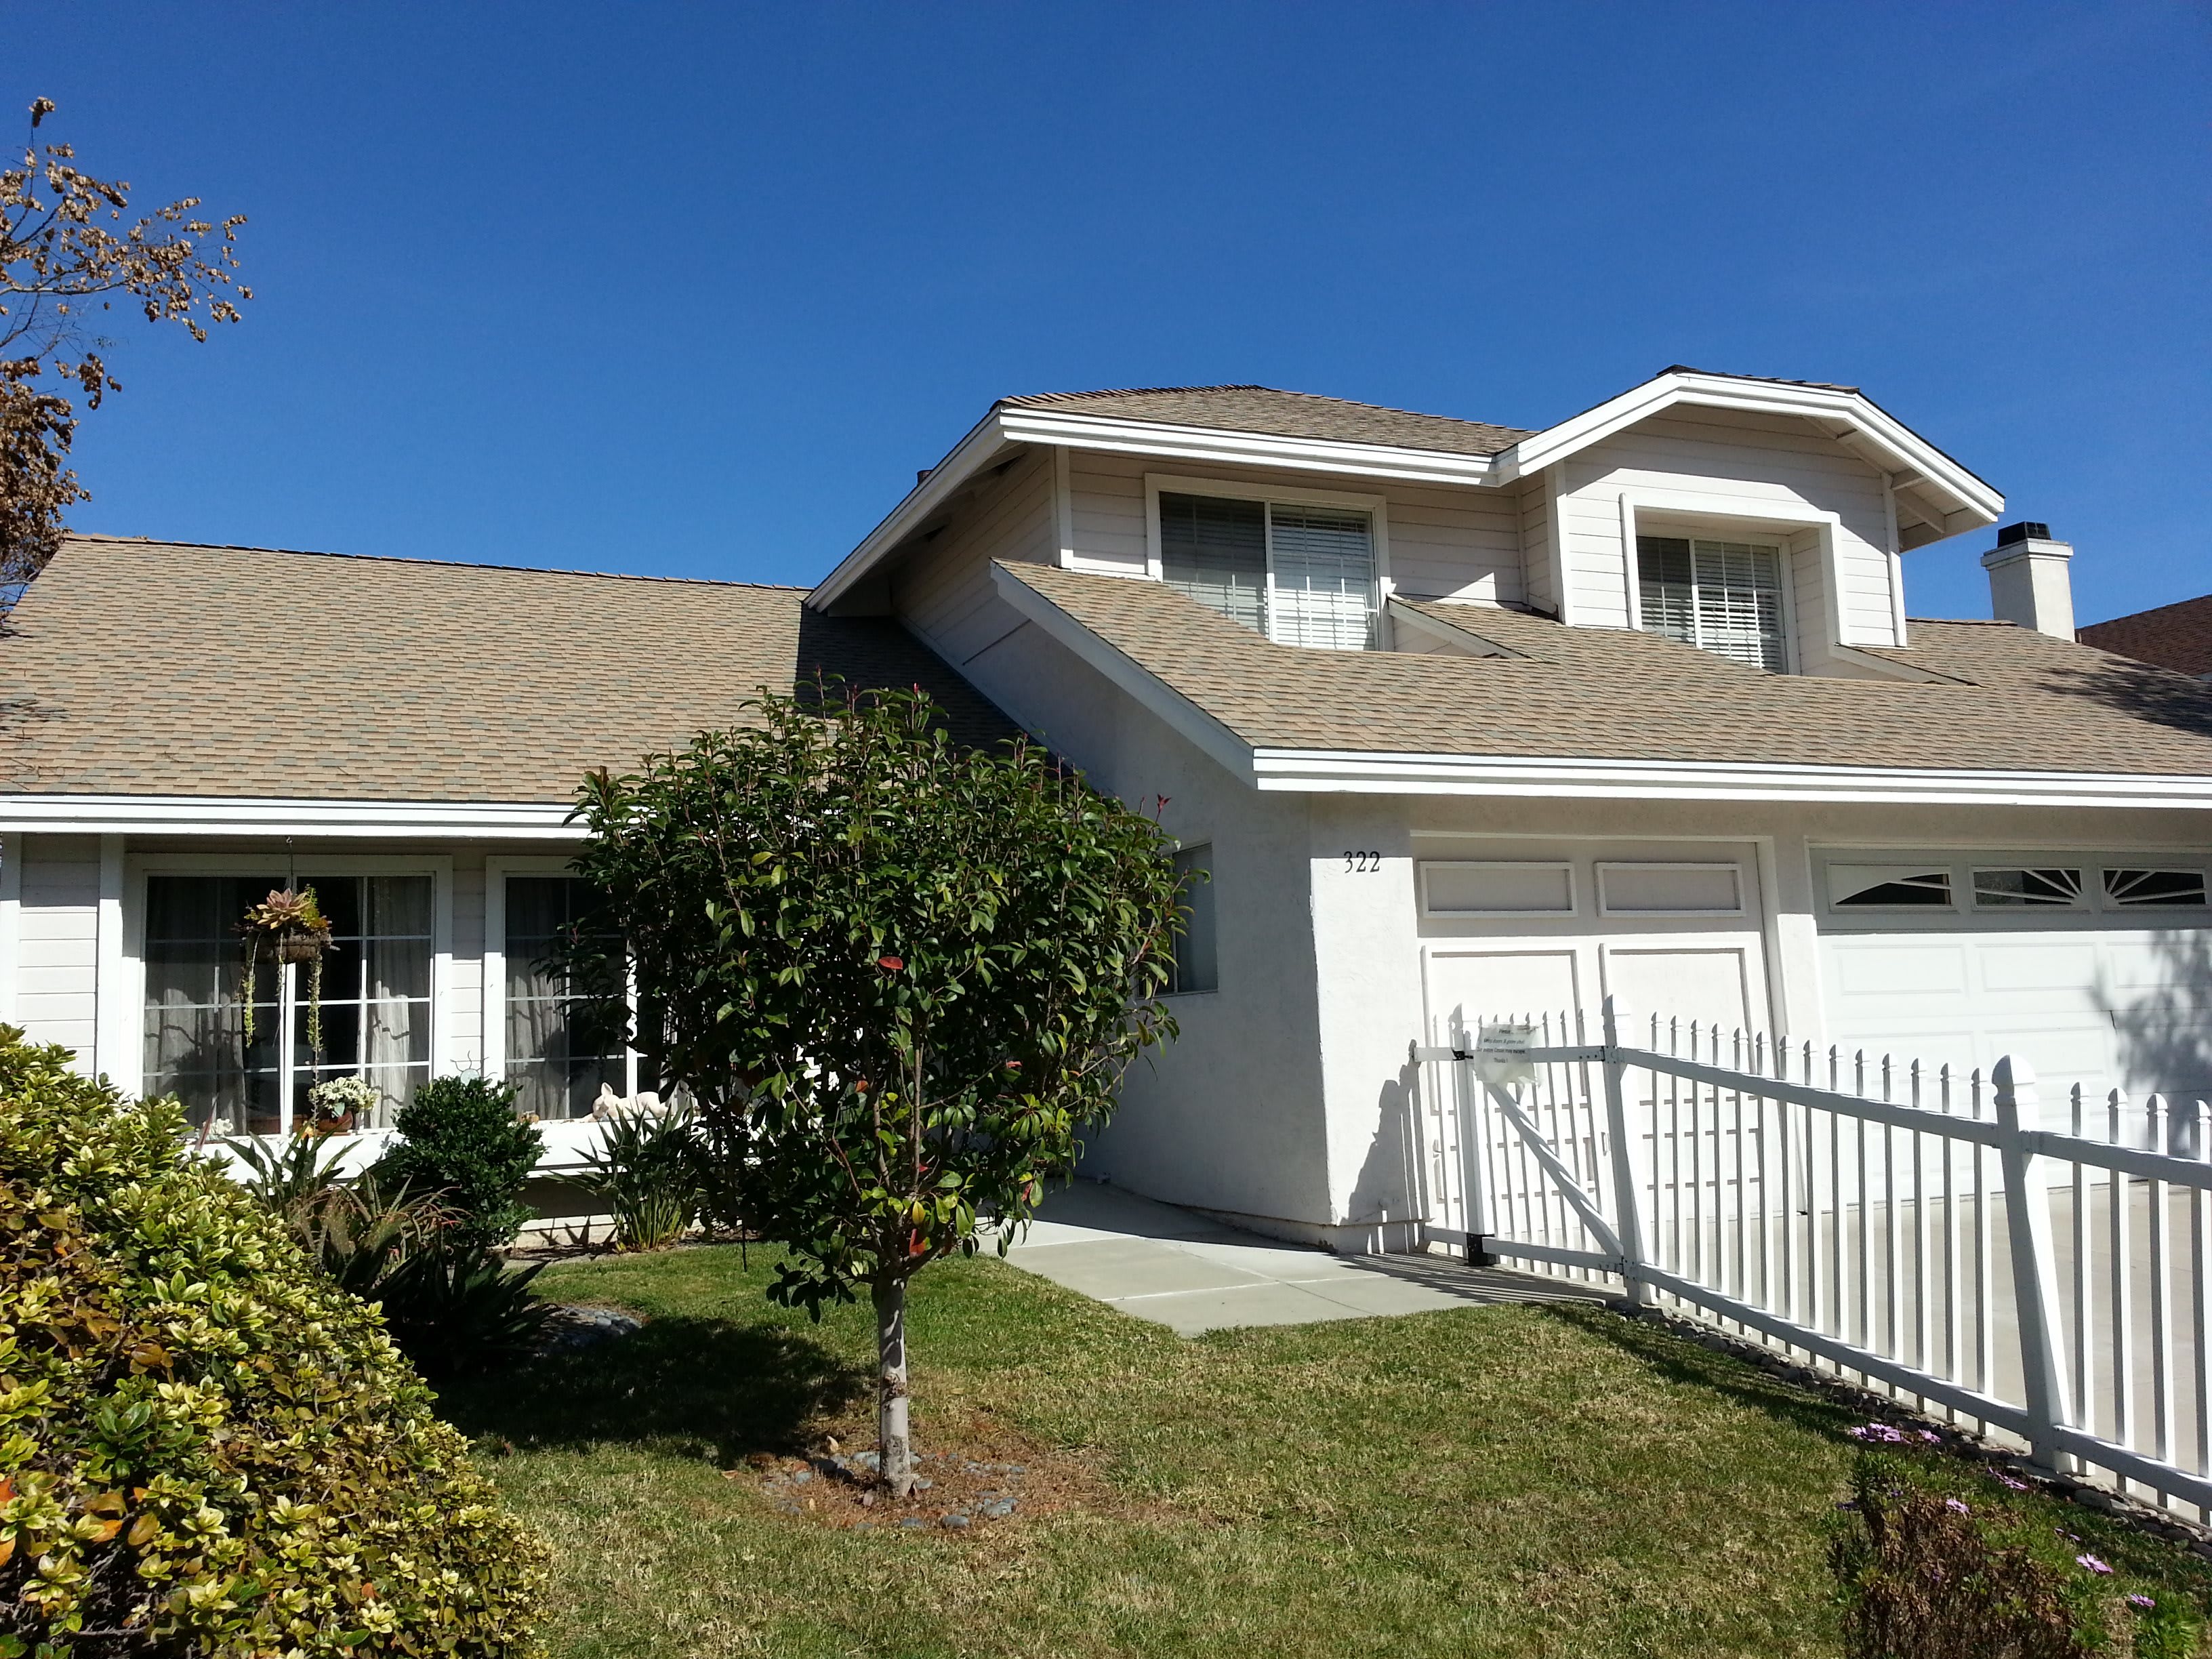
x=693 y=290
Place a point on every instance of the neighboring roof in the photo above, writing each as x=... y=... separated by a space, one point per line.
x=2034 y=703
x=1290 y=414
x=134 y=667
x=2177 y=636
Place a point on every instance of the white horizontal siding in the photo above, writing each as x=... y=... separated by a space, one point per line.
x=944 y=590
x=1752 y=464
x=56 y=990
x=1445 y=544
x=1536 y=546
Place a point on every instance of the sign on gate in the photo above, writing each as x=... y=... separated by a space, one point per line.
x=1501 y=1053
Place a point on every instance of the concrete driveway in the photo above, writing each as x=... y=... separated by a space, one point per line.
x=1192 y=1273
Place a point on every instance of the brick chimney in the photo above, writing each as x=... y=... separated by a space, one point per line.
x=2028 y=583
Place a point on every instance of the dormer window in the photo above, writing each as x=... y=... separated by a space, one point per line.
x=1301 y=574
x=1722 y=597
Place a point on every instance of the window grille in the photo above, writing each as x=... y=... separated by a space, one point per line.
x=1722 y=597
x=1301 y=576
x=2154 y=889
x=560 y=1049
x=1998 y=889
x=1887 y=887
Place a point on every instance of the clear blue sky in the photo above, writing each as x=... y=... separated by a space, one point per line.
x=693 y=290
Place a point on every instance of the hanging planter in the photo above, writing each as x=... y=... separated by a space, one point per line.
x=286 y=926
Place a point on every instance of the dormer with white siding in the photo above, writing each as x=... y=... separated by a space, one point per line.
x=1760 y=519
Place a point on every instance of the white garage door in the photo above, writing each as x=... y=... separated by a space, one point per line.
x=1959 y=971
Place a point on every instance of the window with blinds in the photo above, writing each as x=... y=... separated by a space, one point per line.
x=1301 y=575
x=1722 y=597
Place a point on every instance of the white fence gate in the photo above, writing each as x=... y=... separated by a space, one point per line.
x=1912 y=1229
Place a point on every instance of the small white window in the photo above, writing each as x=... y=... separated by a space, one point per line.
x=1888 y=887
x=1197 y=955
x=2162 y=890
x=1669 y=889
x=1470 y=888
x=2027 y=889
x=1722 y=597
x=1301 y=575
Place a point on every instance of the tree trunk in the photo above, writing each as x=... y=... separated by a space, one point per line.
x=894 y=1449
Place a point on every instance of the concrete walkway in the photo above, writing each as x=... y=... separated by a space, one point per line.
x=1192 y=1273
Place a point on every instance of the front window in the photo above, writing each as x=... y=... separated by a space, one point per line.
x=1722 y=597
x=560 y=1050
x=376 y=997
x=1301 y=576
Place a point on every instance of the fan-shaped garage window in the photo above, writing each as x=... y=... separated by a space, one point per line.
x=1888 y=887
x=2164 y=889
x=2019 y=890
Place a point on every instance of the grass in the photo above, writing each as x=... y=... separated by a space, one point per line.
x=1490 y=1480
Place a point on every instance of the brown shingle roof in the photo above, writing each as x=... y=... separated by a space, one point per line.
x=2034 y=703
x=136 y=667
x=2176 y=637
x=1286 y=414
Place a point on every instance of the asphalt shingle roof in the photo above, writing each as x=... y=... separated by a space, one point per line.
x=136 y=667
x=1283 y=414
x=2021 y=701
x=2176 y=637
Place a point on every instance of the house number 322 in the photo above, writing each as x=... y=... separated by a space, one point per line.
x=1361 y=864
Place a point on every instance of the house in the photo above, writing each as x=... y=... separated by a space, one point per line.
x=2177 y=636
x=1457 y=720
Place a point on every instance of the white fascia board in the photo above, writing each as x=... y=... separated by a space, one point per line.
x=1908 y=449
x=1181 y=714
x=1221 y=447
x=981 y=445
x=1566 y=777
x=216 y=815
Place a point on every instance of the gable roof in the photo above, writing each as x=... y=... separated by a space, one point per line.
x=2177 y=636
x=1251 y=425
x=2018 y=702
x=1290 y=414
x=158 y=668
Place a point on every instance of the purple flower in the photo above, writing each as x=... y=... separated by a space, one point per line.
x=2141 y=1603
x=1931 y=1436
x=1956 y=1507
x=1880 y=1434
x=2011 y=1485
x=2092 y=1564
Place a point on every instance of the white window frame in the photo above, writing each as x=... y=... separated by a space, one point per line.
x=1727 y=517
x=1375 y=507
x=497 y=868
x=1431 y=913
x=131 y=1075
x=1605 y=907
x=1962 y=915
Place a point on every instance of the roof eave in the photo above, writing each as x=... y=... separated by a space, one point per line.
x=1881 y=438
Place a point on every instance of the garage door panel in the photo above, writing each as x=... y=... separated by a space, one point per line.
x=2068 y=967
x=1468 y=986
x=1879 y=968
x=1708 y=984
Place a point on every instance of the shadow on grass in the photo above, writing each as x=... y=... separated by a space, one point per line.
x=1677 y=1359
x=687 y=1387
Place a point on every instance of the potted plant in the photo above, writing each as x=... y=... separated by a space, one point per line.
x=341 y=1105
x=286 y=926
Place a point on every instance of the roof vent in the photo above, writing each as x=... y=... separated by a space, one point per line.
x=2028 y=582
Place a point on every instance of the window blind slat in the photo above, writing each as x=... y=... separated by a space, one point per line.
x=1324 y=577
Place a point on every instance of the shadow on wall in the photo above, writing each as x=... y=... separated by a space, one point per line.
x=2166 y=1038
x=1389 y=1176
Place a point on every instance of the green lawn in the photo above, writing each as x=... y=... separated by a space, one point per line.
x=1495 y=1481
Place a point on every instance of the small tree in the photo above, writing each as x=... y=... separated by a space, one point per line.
x=902 y=978
x=60 y=268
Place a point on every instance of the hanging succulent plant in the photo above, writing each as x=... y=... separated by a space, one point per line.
x=286 y=926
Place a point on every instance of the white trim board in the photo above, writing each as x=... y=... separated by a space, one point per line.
x=11 y=923
x=248 y=815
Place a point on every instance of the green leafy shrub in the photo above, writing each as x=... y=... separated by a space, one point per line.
x=206 y=1448
x=1932 y=1564
x=451 y=1304
x=460 y=1142
x=645 y=1170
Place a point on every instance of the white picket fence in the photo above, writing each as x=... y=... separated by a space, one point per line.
x=1914 y=1230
